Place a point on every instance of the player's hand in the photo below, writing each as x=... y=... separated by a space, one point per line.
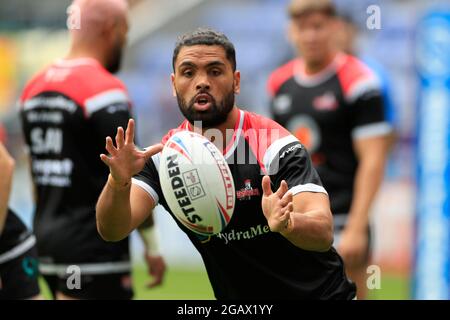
x=277 y=207
x=156 y=268
x=125 y=160
x=353 y=246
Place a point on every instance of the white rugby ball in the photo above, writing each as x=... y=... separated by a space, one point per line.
x=197 y=183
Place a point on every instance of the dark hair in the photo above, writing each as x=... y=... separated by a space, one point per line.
x=298 y=8
x=208 y=37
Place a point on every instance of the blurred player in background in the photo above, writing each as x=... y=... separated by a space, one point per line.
x=67 y=110
x=333 y=104
x=345 y=37
x=290 y=257
x=18 y=255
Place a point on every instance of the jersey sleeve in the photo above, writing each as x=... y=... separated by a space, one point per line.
x=292 y=163
x=107 y=111
x=148 y=179
x=368 y=116
x=367 y=109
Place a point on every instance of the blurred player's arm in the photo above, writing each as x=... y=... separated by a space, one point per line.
x=123 y=206
x=147 y=233
x=7 y=165
x=371 y=153
x=299 y=209
x=371 y=140
x=153 y=258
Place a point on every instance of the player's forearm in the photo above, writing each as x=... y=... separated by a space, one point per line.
x=312 y=230
x=369 y=176
x=7 y=165
x=114 y=211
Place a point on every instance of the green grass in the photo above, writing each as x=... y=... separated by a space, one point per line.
x=393 y=287
x=185 y=284
x=178 y=284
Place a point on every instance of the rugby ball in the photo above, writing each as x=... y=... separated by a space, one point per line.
x=197 y=183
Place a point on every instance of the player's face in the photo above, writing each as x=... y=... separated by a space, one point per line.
x=311 y=34
x=118 y=42
x=345 y=36
x=205 y=84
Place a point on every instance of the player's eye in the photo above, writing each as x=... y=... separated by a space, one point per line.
x=187 y=73
x=216 y=72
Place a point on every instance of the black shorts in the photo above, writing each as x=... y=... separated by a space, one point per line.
x=19 y=277
x=117 y=286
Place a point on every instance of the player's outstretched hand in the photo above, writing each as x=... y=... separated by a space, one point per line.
x=125 y=160
x=277 y=207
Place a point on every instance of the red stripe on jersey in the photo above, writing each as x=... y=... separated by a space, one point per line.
x=236 y=127
x=186 y=126
x=183 y=127
x=78 y=81
x=260 y=132
x=351 y=72
x=280 y=76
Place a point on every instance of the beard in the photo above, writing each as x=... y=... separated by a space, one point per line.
x=214 y=116
x=115 y=60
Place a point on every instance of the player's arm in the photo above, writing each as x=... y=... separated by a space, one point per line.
x=7 y=169
x=147 y=233
x=304 y=219
x=371 y=154
x=155 y=262
x=371 y=139
x=123 y=206
x=299 y=209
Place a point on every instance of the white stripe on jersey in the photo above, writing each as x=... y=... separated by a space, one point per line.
x=274 y=149
x=86 y=268
x=237 y=135
x=156 y=158
x=152 y=193
x=371 y=130
x=58 y=102
x=105 y=99
x=361 y=87
x=309 y=187
x=18 y=250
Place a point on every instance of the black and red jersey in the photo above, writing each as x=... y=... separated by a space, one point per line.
x=67 y=111
x=327 y=112
x=15 y=239
x=247 y=260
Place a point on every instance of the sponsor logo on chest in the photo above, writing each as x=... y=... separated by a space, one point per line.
x=325 y=102
x=248 y=191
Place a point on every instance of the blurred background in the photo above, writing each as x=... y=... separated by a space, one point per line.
x=34 y=33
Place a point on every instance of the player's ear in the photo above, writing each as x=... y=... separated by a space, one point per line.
x=172 y=77
x=291 y=32
x=237 y=82
x=109 y=28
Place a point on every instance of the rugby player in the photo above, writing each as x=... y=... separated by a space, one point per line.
x=333 y=104
x=278 y=242
x=67 y=109
x=18 y=255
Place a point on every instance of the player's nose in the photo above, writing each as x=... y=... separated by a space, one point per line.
x=203 y=83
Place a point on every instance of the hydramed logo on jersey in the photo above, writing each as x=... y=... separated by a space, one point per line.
x=248 y=191
x=231 y=235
